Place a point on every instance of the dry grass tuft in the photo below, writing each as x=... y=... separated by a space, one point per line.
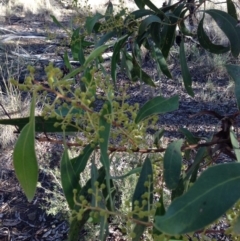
x=30 y=9
x=100 y=6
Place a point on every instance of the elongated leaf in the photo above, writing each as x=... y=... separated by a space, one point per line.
x=88 y=84
x=229 y=26
x=162 y=62
x=91 y=21
x=157 y=137
x=73 y=73
x=116 y=55
x=198 y=159
x=140 y=40
x=157 y=105
x=24 y=157
x=138 y=73
x=159 y=212
x=206 y=42
x=146 y=175
x=70 y=172
x=81 y=56
x=63 y=111
x=235 y=144
x=86 y=43
x=75 y=43
x=179 y=190
x=169 y=7
x=147 y=21
x=133 y=171
x=41 y=125
x=168 y=32
x=152 y=6
x=187 y=79
x=138 y=230
x=104 y=133
x=101 y=204
x=140 y=3
x=79 y=163
x=104 y=230
x=101 y=175
x=58 y=23
x=172 y=164
x=109 y=11
x=136 y=52
x=108 y=197
x=77 y=225
x=196 y=209
x=191 y=174
x=106 y=37
x=234 y=72
x=158 y=11
x=121 y=13
x=95 y=54
x=94 y=177
x=127 y=65
x=182 y=27
x=191 y=139
x=163 y=37
x=231 y=9
x=105 y=124
x=69 y=179
x=66 y=61
x=155 y=31
x=138 y=14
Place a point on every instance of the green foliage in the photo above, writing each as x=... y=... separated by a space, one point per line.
x=168 y=32
x=71 y=170
x=196 y=209
x=185 y=71
x=172 y=164
x=117 y=126
x=161 y=61
x=231 y=9
x=24 y=156
x=41 y=125
x=135 y=72
x=157 y=105
x=206 y=42
x=143 y=198
x=229 y=26
x=116 y=55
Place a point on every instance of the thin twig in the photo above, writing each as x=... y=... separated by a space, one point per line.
x=138 y=150
x=64 y=97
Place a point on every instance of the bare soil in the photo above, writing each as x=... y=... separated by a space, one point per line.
x=21 y=220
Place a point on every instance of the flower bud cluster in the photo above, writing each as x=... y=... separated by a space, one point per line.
x=72 y=106
x=83 y=203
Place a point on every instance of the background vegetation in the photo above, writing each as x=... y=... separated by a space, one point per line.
x=172 y=191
